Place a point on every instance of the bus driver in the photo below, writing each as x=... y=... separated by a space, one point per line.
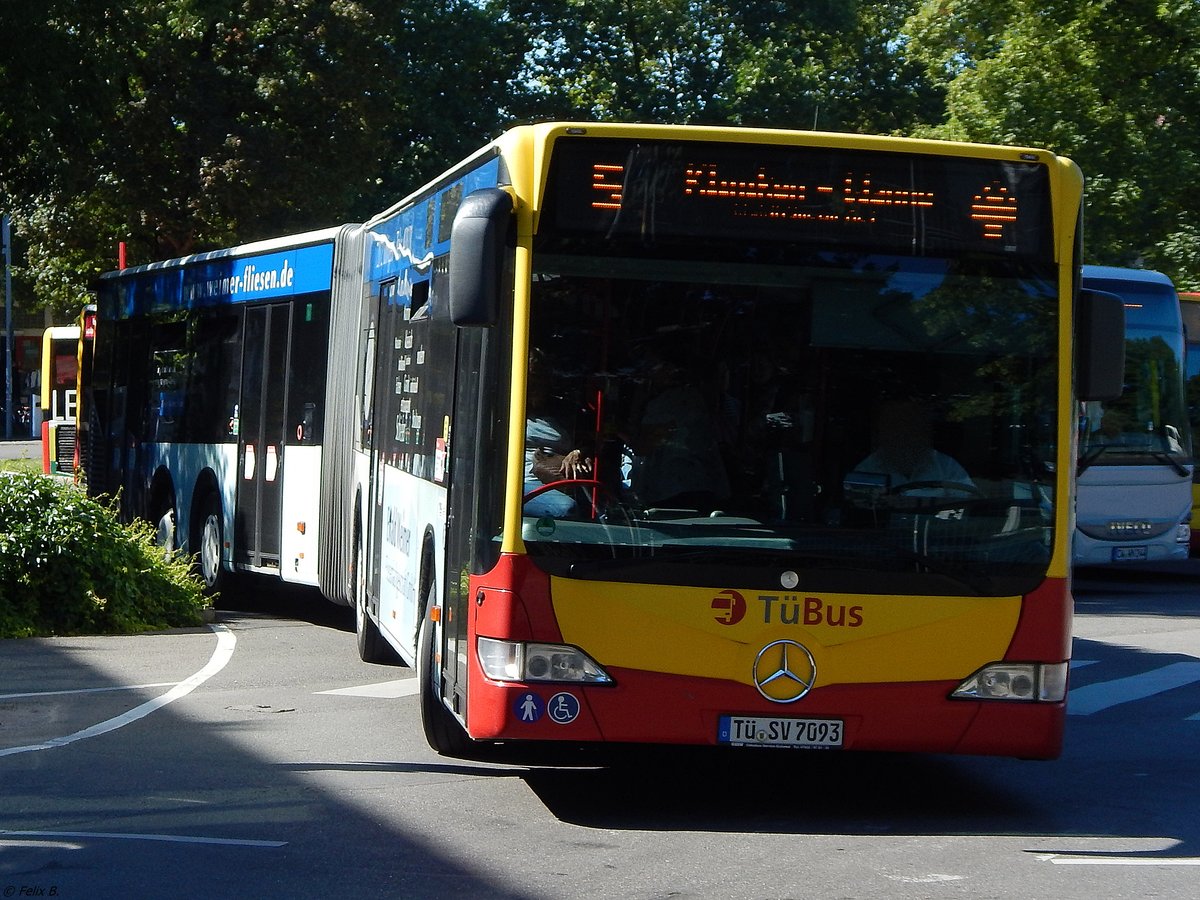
x=904 y=455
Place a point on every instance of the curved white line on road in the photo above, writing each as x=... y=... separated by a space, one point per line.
x=219 y=659
x=103 y=690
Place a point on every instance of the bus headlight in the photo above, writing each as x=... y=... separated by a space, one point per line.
x=1016 y=681
x=517 y=661
x=1183 y=533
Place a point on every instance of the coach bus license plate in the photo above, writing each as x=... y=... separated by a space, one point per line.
x=1128 y=554
x=771 y=731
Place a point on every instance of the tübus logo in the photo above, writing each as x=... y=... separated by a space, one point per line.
x=731 y=606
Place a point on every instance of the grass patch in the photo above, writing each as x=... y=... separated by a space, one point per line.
x=23 y=466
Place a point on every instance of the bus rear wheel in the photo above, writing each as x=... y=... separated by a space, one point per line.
x=372 y=647
x=443 y=732
x=209 y=557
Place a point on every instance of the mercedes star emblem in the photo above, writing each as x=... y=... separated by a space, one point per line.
x=784 y=671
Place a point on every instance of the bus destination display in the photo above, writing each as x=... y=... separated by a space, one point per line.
x=899 y=202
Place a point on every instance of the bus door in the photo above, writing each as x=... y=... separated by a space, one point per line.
x=262 y=422
x=374 y=384
x=478 y=451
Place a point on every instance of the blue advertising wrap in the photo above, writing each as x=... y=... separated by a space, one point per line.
x=226 y=279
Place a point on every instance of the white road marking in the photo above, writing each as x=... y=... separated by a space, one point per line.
x=1096 y=697
x=385 y=690
x=1058 y=860
x=103 y=690
x=168 y=838
x=1083 y=663
x=219 y=659
x=26 y=844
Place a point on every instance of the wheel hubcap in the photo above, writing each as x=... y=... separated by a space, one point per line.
x=210 y=551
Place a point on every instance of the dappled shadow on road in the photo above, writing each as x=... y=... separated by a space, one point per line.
x=1122 y=775
x=1150 y=605
x=1101 y=787
x=816 y=792
x=1164 y=589
x=857 y=794
x=178 y=804
x=1126 y=778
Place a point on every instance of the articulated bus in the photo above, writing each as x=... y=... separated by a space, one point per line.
x=602 y=417
x=207 y=401
x=1134 y=478
x=66 y=353
x=1189 y=307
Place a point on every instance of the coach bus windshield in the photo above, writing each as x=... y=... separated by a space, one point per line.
x=1148 y=423
x=739 y=409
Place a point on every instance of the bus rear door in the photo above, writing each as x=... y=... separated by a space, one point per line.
x=261 y=435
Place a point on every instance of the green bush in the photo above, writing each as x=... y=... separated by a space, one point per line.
x=68 y=566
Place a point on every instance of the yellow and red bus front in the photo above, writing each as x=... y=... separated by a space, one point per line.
x=720 y=316
x=731 y=666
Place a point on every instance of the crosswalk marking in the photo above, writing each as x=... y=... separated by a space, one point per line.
x=384 y=690
x=1096 y=697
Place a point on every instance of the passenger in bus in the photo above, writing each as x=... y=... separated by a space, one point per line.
x=549 y=456
x=679 y=463
x=904 y=455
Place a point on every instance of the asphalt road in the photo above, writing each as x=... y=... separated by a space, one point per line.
x=261 y=758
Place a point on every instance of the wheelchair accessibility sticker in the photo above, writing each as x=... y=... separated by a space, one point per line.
x=563 y=708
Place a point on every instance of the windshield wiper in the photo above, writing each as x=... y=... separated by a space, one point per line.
x=1171 y=461
x=657 y=555
x=754 y=557
x=979 y=584
x=1086 y=461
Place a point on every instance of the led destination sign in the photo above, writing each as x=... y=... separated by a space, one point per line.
x=901 y=202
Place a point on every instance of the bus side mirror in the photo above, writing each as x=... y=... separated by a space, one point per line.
x=477 y=243
x=1099 y=346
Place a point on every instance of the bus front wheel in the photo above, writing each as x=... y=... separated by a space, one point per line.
x=443 y=732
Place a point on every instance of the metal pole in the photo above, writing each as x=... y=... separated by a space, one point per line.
x=8 y=334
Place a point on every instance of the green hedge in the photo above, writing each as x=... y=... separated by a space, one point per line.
x=68 y=566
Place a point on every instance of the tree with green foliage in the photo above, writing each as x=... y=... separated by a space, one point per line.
x=833 y=65
x=67 y=566
x=1114 y=85
x=185 y=125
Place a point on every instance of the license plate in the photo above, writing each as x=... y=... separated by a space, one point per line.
x=1128 y=554
x=771 y=731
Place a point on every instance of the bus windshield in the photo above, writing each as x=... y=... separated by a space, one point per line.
x=1148 y=424
x=864 y=419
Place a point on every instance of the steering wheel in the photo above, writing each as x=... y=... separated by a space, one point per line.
x=583 y=483
x=960 y=487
